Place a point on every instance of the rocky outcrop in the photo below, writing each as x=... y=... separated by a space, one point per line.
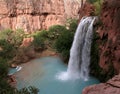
x=27 y=42
x=86 y=9
x=110 y=87
x=72 y=8
x=109 y=48
x=32 y=15
x=110 y=36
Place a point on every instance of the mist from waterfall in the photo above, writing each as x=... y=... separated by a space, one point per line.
x=78 y=66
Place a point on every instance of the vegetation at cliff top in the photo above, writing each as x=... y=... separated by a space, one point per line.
x=98 y=5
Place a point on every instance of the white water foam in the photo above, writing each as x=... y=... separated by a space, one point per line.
x=78 y=66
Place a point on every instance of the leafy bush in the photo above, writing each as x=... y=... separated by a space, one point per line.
x=17 y=37
x=3 y=68
x=66 y=54
x=8 y=50
x=43 y=34
x=13 y=37
x=97 y=4
x=5 y=88
x=62 y=38
x=72 y=24
x=92 y=1
x=39 y=40
x=64 y=42
x=6 y=34
x=55 y=31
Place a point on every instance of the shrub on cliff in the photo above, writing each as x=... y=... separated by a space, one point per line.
x=97 y=4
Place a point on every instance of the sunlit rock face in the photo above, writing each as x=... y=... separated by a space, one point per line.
x=72 y=7
x=32 y=15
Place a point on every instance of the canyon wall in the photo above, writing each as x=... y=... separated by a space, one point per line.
x=110 y=35
x=32 y=15
x=109 y=48
x=72 y=7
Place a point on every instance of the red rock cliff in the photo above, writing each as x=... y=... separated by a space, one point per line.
x=110 y=35
x=109 y=48
x=32 y=15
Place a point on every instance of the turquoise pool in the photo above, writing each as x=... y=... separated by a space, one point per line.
x=42 y=73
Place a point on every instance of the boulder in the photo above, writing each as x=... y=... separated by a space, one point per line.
x=110 y=87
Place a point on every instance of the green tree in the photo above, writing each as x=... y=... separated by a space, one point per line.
x=39 y=40
x=55 y=31
x=72 y=24
x=3 y=68
x=63 y=43
x=7 y=50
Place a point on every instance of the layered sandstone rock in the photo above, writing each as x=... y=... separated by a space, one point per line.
x=110 y=87
x=32 y=15
x=72 y=7
x=110 y=35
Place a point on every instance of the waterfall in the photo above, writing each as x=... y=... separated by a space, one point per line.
x=78 y=66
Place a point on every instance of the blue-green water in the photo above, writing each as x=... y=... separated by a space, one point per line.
x=42 y=73
x=12 y=71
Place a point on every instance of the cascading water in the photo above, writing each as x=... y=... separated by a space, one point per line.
x=78 y=66
x=43 y=77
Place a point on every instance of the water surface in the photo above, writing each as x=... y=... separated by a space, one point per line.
x=43 y=72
